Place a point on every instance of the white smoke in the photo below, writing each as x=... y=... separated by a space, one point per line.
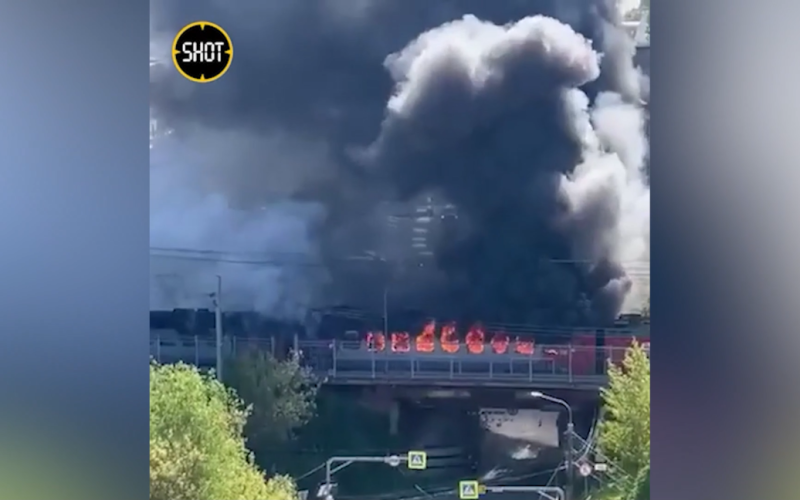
x=615 y=151
x=264 y=254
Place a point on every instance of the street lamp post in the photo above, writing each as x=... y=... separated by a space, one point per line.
x=570 y=432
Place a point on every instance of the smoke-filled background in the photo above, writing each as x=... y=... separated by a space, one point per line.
x=524 y=116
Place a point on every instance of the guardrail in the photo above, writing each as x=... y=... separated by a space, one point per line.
x=352 y=363
x=349 y=363
x=201 y=351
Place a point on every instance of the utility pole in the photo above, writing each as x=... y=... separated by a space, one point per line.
x=386 y=310
x=570 y=460
x=218 y=324
x=392 y=274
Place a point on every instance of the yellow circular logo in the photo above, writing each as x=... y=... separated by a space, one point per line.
x=202 y=52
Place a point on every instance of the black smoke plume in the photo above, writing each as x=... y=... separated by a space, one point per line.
x=523 y=114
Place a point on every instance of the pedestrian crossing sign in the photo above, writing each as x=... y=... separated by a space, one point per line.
x=417 y=460
x=469 y=490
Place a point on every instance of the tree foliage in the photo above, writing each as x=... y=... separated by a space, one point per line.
x=282 y=394
x=624 y=438
x=197 y=451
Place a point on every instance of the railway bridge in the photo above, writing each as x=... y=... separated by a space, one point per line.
x=440 y=395
x=571 y=367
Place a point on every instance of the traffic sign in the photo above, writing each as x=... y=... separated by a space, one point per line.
x=417 y=460
x=585 y=469
x=469 y=490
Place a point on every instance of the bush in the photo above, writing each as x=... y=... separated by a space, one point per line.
x=624 y=438
x=197 y=449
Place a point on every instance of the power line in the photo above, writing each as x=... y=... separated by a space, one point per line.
x=241 y=261
x=367 y=256
x=310 y=264
x=633 y=268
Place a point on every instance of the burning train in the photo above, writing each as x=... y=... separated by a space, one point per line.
x=476 y=102
x=588 y=348
x=584 y=350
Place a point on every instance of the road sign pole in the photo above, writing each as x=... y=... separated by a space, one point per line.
x=548 y=492
x=416 y=460
x=472 y=490
x=570 y=451
x=392 y=460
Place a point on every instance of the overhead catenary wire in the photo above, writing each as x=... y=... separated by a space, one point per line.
x=637 y=271
x=633 y=268
x=368 y=255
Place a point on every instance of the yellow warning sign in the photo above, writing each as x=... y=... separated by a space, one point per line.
x=469 y=490
x=417 y=460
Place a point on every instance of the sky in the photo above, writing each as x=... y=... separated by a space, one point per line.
x=628 y=5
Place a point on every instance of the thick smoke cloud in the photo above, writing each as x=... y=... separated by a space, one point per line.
x=188 y=212
x=524 y=114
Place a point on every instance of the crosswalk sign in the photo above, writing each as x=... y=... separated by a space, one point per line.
x=417 y=460
x=469 y=490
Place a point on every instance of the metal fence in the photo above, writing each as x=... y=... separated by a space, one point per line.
x=351 y=363
x=348 y=362
x=202 y=350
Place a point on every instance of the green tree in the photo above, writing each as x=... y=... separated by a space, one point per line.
x=282 y=394
x=624 y=438
x=197 y=451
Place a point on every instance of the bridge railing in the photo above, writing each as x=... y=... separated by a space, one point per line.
x=202 y=351
x=352 y=362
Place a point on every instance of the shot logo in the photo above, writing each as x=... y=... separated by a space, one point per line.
x=202 y=52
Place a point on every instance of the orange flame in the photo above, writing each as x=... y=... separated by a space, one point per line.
x=475 y=340
x=376 y=341
x=500 y=343
x=426 y=340
x=401 y=342
x=449 y=339
x=524 y=347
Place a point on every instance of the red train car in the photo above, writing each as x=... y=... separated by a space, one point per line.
x=585 y=351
